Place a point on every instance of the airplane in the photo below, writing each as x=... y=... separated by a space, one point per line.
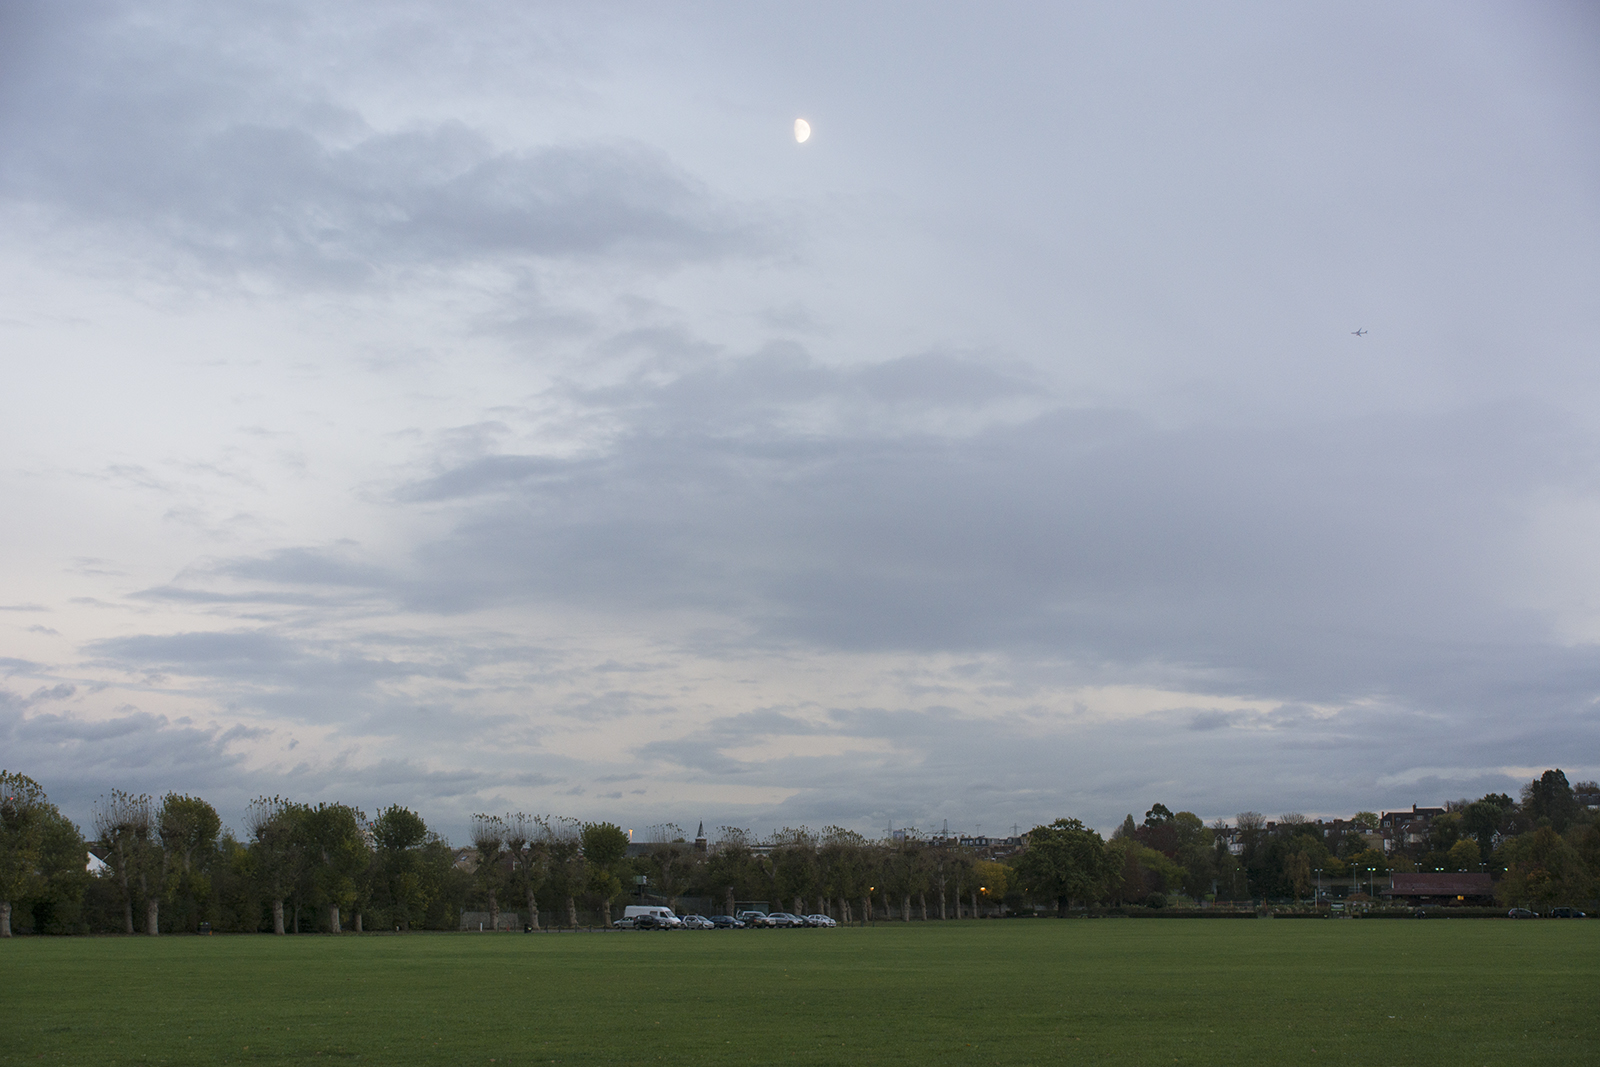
x=1360 y=333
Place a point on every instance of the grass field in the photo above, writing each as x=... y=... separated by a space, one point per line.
x=1101 y=991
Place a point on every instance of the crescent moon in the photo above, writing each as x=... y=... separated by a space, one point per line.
x=802 y=131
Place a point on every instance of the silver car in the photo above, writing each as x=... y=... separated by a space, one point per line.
x=818 y=920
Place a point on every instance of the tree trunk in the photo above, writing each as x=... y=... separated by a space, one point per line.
x=127 y=915
x=866 y=910
x=943 y=914
x=297 y=916
x=608 y=913
x=976 y=914
x=277 y=916
x=922 y=902
x=5 y=918
x=844 y=910
x=533 y=910
x=152 y=909
x=333 y=919
x=731 y=902
x=799 y=906
x=572 y=913
x=494 y=912
x=358 y=922
x=905 y=907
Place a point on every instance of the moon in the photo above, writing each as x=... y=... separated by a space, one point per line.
x=802 y=131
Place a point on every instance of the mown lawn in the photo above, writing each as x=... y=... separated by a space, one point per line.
x=1375 y=993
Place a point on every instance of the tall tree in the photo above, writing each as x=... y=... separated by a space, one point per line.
x=569 y=876
x=277 y=851
x=1064 y=861
x=525 y=843
x=400 y=888
x=22 y=811
x=335 y=844
x=126 y=828
x=604 y=846
x=188 y=828
x=1550 y=797
x=489 y=839
x=994 y=879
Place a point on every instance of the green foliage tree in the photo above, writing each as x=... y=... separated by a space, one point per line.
x=1544 y=869
x=526 y=847
x=277 y=852
x=1463 y=855
x=489 y=839
x=188 y=828
x=1549 y=796
x=22 y=807
x=794 y=870
x=127 y=831
x=400 y=889
x=568 y=875
x=1483 y=820
x=1195 y=853
x=843 y=867
x=994 y=880
x=604 y=846
x=1064 y=861
x=334 y=842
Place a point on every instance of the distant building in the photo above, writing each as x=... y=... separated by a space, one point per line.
x=1440 y=888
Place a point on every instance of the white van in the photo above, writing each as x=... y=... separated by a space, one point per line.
x=655 y=911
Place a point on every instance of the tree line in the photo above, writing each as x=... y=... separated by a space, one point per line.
x=171 y=866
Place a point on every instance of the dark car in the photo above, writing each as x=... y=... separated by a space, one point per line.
x=783 y=918
x=726 y=922
x=1566 y=913
x=653 y=922
x=1520 y=913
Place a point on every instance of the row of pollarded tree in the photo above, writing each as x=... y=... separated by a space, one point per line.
x=172 y=866
x=531 y=860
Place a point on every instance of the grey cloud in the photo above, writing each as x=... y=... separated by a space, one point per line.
x=1212 y=720
x=136 y=125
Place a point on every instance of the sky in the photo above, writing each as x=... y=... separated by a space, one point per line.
x=491 y=407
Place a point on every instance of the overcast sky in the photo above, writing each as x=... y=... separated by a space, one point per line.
x=487 y=406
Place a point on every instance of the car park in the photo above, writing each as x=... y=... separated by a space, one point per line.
x=727 y=922
x=1520 y=913
x=818 y=920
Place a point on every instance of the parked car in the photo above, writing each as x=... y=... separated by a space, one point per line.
x=727 y=922
x=1520 y=913
x=657 y=922
x=634 y=911
x=782 y=918
x=623 y=924
x=698 y=922
x=1566 y=913
x=818 y=920
x=751 y=918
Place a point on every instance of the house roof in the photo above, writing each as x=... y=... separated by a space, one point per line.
x=1439 y=885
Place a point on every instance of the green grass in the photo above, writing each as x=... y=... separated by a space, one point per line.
x=1023 y=992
